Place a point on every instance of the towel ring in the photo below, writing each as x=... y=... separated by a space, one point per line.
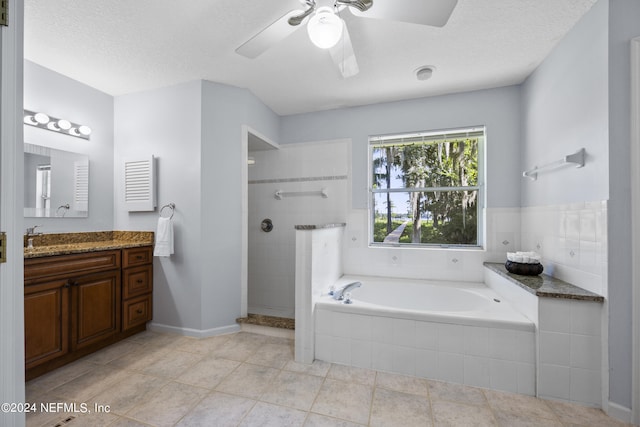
x=171 y=206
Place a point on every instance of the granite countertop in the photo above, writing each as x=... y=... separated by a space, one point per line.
x=75 y=243
x=545 y=285
x=320 y=226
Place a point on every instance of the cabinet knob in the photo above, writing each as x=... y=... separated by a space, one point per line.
x=139 y=311
x=139 y=257
x=139 y=281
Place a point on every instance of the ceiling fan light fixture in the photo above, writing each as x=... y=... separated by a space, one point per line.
x=325 y=28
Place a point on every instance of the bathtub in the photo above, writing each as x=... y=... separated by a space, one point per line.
x=458 y=332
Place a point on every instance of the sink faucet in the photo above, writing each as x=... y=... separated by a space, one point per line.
x=30 y=233
x=339 y=293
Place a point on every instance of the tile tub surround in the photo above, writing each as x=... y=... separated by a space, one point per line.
x=498 y=358
x=231 y=380
x=71 y=243
x=570 y=345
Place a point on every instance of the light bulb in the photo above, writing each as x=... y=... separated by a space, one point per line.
x=64 y=124
x=53 y=126
x=84 y=130
x=41 y=118
x=325 y=28
x=30 y=120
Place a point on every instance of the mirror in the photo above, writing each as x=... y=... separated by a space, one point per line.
x=56 y=183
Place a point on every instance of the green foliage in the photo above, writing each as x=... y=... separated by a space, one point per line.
x=451 y=215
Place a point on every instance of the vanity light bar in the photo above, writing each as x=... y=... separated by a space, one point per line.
x=44 y=121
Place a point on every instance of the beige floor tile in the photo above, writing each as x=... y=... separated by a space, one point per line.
x=58 y=377
x=208 y=372
x=317 y=368
x=267 y=415
x=127 y=422
x=202 y=345
x=237 y=349
x=391 y=408
x=570 y=413
x=155 y=339
x=172 y=364
x=38 y=417
x=452 y=414
x=112 y=352
x=508 y=419
x=131 y=391
x=89 y=384
x=273 y=355
x=218 y=409
x=93 y=420
x=248 y=380
x=293 y=390
x=317 y=420
x=348 y=401
x=352 y=374
x=519 y=404
x=168 y=405
x=140 y=359
x=456 y=393
x=403 y=383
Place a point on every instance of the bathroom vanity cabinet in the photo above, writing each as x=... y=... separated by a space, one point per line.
x=78 y=303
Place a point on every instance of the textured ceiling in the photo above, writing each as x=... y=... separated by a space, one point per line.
x=123 y=46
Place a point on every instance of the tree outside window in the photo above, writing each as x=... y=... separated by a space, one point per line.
x=425 y=188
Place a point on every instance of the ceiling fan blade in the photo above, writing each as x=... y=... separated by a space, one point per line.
x=343 y=55
x=435 y=13
x=271 y=35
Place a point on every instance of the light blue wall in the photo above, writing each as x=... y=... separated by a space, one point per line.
x=580 y=97
x=497 y=109
x=225 y=109
x=59 y=96
x=166 y=123
x=624 y=25
x=564 y=108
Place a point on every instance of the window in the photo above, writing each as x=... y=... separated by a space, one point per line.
x=425 y=188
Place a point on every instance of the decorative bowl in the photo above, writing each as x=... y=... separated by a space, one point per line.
x=524 y=269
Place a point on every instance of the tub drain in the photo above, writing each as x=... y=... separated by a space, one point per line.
x=496 y=300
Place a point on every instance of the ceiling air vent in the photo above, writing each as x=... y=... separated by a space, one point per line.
x=140 y=185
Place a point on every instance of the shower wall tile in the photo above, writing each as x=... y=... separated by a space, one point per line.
x=295 y=167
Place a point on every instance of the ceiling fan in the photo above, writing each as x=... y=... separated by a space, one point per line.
x=328 y=30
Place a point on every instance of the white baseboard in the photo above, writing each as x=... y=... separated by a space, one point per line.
x=619 y=412
x=196 y=333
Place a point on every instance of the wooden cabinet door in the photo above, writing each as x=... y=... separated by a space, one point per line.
x=46 y=321
x=95 y=309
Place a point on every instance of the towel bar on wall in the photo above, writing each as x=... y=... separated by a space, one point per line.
x=171 y=207
x=280 y=194
x=576 y=158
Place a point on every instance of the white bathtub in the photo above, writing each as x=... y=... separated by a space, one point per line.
x=451 y=331
x=464 y=303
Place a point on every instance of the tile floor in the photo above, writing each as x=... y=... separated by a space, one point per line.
x=247 y=379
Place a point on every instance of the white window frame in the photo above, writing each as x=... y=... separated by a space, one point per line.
x=375 y=140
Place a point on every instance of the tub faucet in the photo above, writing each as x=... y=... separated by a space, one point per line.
x=339 y=293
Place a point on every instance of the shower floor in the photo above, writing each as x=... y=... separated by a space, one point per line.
x=272 y=321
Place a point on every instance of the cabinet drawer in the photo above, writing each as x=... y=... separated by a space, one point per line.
x=137 y=256
x=137 y=281
x=70 y=265
x=136 y=311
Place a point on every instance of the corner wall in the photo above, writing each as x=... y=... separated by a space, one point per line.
x=624 y=25
x=166 y=123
